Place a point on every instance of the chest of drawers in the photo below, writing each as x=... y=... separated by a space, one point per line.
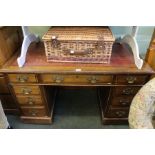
x=115 y=106
x=32 y=98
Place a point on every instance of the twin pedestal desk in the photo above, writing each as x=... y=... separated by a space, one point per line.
x=33 y=88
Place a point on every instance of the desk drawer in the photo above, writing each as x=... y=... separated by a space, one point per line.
x=117 y=113
x=127 y=90
x=131 y=79
x=29 y=100
x=27 y=90
x=79 y=79
x=3 y=86
x=122 y=101
x=22 y=78
x=34 y=111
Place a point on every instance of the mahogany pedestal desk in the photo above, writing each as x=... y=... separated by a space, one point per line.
x=34 y=86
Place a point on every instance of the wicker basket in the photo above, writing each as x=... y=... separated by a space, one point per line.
x=78 y=44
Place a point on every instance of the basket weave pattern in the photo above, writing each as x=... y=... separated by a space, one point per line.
x=78 y=44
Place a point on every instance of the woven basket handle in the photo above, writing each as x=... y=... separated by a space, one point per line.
x=83 y=52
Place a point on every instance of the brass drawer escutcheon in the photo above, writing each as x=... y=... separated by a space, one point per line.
x=124 y=102
x=22 y=78
x=58 y=79
x=26 y=91
x=131 y=79
x=30 y=101
x=120 y=113
x=128 y=91
x=93 y=79
x=33 y=113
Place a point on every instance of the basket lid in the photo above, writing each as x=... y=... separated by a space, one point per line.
x=76 y=33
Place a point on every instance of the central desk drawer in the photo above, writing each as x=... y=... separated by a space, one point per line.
x=83 y=79
x=29 y=100
x=22 y=78
x=27 y=90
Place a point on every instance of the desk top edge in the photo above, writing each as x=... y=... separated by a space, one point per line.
x=36 y=54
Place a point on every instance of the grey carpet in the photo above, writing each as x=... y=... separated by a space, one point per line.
x=74 y=109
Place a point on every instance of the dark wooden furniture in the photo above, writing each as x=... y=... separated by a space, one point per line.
x=10 y=42
x=117 y=83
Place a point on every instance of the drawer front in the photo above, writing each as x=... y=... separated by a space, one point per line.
x=34 y=112
x=27 y=90
x=117 y=113
x=83 y=79
x=121 y=101
x=119 y=91
x=3 y=86
x=131 y=79
x=29 y=100
x=8 y=102
x=22 y=78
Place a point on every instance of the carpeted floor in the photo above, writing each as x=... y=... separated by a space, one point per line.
x=74 y=109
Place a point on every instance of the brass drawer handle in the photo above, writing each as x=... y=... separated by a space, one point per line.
x=128 y=91
x=77 y=52
x=30 y=101
x=26 y=91
x=22 y=78
x=93 y=79
x=124 y=102
x=120 y=113
x=131 y=79
x=58 y=79
x=33 y=113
